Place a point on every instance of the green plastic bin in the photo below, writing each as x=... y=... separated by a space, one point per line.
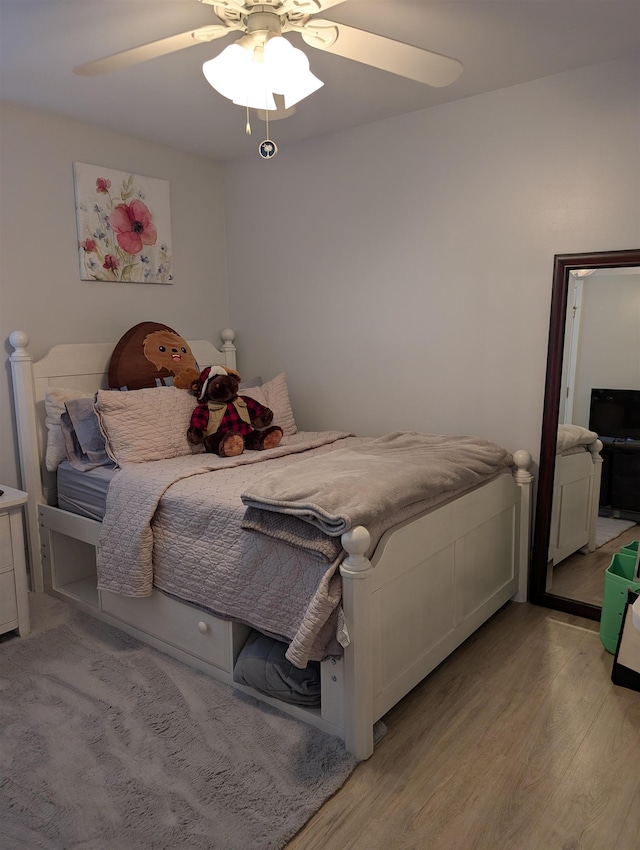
x=618 y=578
x=630 y=548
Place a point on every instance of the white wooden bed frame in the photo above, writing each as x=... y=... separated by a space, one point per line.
x=430 y=584
x=576 y=494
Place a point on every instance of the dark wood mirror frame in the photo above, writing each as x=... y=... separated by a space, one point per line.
x=563 y=265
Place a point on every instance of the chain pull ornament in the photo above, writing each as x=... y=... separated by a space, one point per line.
x=267 y=149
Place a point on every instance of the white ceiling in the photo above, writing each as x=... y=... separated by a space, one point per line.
x=167 y=100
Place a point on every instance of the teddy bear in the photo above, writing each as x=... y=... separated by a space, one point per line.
x=226 y=422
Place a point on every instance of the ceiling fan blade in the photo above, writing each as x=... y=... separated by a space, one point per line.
x=152 y=50
x=309 y=7
x=426 y=67
x=238 y=5
x=300 y=7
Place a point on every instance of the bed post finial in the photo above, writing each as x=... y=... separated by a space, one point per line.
x=522 y=460
x=228 y=348
x=20 y=342
x=355 y=542
x=595 y=448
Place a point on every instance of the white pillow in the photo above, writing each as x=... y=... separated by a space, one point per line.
x=275 y=394
x=55 y=399
x=146 y=424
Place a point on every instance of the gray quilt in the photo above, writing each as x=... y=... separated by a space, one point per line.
x=177 y=525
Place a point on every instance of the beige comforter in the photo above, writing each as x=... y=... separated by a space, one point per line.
x=176 y=525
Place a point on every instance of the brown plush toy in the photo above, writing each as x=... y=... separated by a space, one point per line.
x=150 y=355
x=224 y=421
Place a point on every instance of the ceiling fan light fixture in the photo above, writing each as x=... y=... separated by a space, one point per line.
x=289 y=71
x=299 y=88
x=253 y=89
x=249 y=74
x=227 y=72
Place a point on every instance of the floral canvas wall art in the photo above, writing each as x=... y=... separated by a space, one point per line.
x=124 y=226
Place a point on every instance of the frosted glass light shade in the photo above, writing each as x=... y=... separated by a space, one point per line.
x=289 y=71
x=251 y=78
x=227 y=72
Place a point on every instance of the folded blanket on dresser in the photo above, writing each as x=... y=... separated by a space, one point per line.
x=573 y=437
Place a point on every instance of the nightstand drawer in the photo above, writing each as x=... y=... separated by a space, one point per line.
x=14 y=599
x=6 y=550
x=8 y=604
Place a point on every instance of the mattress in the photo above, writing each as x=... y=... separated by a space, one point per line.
x=84 y=492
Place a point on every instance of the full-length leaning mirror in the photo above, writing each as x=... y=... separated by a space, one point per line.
x=588 y=497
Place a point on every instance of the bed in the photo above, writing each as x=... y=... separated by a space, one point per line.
x=576 y=491
x=408 y=594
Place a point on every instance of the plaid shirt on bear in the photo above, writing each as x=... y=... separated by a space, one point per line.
x=231 y=420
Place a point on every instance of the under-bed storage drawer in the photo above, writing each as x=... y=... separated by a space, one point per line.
x=187 y=628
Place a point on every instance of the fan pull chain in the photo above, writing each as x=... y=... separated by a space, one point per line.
x=247 y=129
x=267 y=149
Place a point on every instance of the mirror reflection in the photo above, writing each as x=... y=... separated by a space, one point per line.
x=596 y=483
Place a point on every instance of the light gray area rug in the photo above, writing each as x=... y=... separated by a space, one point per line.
x=608 y=528
x=107 y=744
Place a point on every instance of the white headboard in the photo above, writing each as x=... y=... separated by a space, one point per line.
x=81 y=366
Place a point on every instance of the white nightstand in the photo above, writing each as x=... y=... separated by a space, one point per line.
x=14 y=602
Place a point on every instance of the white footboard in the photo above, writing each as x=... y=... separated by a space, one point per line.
x=430 y=584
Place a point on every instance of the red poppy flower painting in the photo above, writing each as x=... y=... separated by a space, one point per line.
x=133 y=226
x=124 y=230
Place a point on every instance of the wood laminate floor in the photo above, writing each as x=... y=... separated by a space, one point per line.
x=582 y=576
x=518 y=741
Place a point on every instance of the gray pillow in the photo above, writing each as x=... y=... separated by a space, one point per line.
x=252 y=382
x=84 y=441
x=262 y=665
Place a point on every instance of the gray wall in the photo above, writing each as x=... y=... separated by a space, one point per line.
x=401 y=272
x=40 y=287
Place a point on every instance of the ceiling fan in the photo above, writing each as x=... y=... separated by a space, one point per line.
x=261 y=21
